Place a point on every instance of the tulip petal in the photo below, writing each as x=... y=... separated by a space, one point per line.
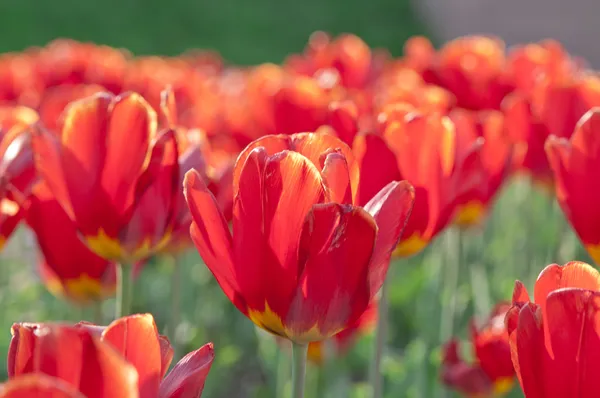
x=21 y=349
x=187 y=378
x=132 y=124
x=336 y=178
x=573 y=322
x=291 y=186
x=575 y=274
x=75 y=356
x=135 y=337
x=166 y=354
x=378 y=166
x=336 y=248
x=520 y=295
x=39 y=386
x=391 y=209
x=531 y=351
x=211 y=235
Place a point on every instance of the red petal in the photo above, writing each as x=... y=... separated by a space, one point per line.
x=73 y=355
x=532 y=357
x=135 y=337
x=131 y=128
x=573 y=322
x=166 y=354
x=211 y=235
x=520 y=295
x=21 y=349
x=39 y=386
x=336 y=178
x=391 y=209
x=333 y=290
x=574 y=275
x=377 y=164
x=187 y=378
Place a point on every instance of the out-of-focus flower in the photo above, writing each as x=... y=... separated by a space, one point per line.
x=492 y=373
x=473 y=68
x=113 y=174
x=554 y=340
x=41 y=386
x=320 y=352
x=68 y=267
x=138 y=354
x=21 y=83
x=496 y=160
x=294 y=229
x=425 y=150
x=17 y=171
x=576 y=165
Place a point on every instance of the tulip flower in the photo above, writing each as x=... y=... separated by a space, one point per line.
x=575 y=162
x=68 y=267
x=496 y=160
x=492 y=373
x=56 y=99
x=138 y=354
x=42 y=386
x=425 y=150
x=294 y=229
x=113 y=174
x=554 y=340
x=17 y=171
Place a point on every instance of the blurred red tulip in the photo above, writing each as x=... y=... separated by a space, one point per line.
x=113 y=174
x=491 y=374
x=73 y=356
x=576 y=164
x=320 y=352
x=473 y=68
x=132 y=340
x=496 y=160
x=56 y=99
x=294 y=226
x=554 y=340
x=40 y=386
x=68 y=267
x=425 y=150
x=17 y=171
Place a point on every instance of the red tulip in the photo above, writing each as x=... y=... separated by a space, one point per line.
x=294 y=229
x=113 y=174
x=425 y=150
x=56 y=99
x=491 y=374
x=576 y=164
x=555 y=340
x=40 y=386
x=132 y=340
x=68 y=267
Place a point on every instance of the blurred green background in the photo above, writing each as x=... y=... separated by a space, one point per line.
x=432 y=295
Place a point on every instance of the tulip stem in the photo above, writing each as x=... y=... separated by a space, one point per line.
x=124 y=287
x=175 y=301
x=299 y=354
x=380 y=336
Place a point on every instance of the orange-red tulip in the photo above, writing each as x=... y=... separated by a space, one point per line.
x=114 y=174
x=320 y=352
x=17 y=171
x=41 y=386
x=425 y=150
x=555 y=340
x=294 y=230
x=68 y=267
x=56 y=99
x=133 y=340
x=495 y=155
x=576 y=165
x=73 y=356
x=492 y=373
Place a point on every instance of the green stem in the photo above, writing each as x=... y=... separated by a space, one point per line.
x=299 y=353
x=175 y=301
x=281 y=371
x=380 y=336
x=124 y=287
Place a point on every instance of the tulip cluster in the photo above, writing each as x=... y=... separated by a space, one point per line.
x=297 y=184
